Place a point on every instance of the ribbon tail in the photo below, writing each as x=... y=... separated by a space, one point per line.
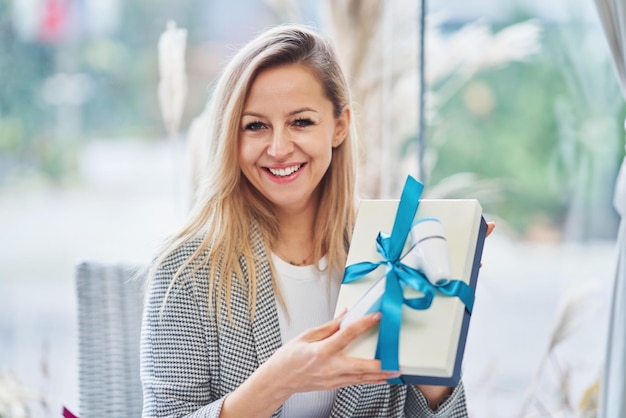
x=356 y=271
x=461 y=290
x=389 y=334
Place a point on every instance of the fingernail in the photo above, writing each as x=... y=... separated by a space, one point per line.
x=376 y=316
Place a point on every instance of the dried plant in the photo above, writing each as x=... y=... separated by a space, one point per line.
x=358 y=31
x=455 y=59
x=588 y=137
x=575 y=310
x=452 y=61
x=198 y=151
x=172 y=90
x=590 y=401
x=14 y=397
x=466 y=185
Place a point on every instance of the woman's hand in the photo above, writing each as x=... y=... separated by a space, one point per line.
x=490 y=228
x=312 y=361
x=315 y=360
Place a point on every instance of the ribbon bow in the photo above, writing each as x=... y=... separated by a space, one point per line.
x=399 y=275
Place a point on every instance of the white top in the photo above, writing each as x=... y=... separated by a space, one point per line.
x=310 y=299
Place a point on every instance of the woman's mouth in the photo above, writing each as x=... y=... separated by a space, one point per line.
x=285 y=171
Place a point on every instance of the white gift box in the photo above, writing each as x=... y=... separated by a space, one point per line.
x=431 y=341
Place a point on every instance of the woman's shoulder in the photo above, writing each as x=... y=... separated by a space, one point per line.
x=177 y=257
x=171 y=271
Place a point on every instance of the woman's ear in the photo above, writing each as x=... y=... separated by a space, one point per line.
x=342 y=127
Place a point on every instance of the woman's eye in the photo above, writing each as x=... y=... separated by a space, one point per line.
x=254 y=126
x=302 y=123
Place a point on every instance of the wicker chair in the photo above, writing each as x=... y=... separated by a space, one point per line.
x=110 y=304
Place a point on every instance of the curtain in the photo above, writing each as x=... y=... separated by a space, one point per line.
x=612 y=15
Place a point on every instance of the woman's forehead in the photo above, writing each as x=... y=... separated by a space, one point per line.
x=285 y=84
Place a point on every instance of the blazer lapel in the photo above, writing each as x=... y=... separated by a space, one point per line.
x=265 y=326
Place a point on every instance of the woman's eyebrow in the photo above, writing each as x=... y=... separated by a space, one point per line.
x=304 y=109
x=253 y=114
x=292 y=113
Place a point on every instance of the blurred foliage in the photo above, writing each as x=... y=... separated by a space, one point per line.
x=504 y=125
x=589 y=148
x=23 y=66
x=122 y=74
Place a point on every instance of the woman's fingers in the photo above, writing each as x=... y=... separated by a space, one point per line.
x=323 y=331
x=338 y=341
x=490 y=227
x=349 y=379
x=359 y=366
x=343 y=313
x=316 y=360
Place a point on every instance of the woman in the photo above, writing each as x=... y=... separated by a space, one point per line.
x=238 y=321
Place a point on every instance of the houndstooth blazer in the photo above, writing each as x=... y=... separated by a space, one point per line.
x=190 y=359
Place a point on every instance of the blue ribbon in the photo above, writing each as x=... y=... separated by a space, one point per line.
x=398 y=276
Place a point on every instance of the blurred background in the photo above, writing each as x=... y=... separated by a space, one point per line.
x=515 y=103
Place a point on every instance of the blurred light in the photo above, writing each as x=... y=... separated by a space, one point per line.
x=67 y=89
x=479 y=98
x=53 y=21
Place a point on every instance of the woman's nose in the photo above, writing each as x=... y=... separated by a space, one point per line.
x=281 y=145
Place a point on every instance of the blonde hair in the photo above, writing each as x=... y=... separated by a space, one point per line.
x=227 y=207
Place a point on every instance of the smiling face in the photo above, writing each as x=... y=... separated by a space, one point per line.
x=287 y=133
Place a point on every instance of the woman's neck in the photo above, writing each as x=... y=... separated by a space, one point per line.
x=295 y=241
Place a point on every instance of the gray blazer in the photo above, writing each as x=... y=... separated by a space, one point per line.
x=190 y=359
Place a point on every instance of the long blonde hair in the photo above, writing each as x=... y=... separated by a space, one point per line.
x=227 y=207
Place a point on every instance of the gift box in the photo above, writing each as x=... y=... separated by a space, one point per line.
x=424 y=320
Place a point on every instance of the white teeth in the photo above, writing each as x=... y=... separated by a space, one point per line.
x=283 y=172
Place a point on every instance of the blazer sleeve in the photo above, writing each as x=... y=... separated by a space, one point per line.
x=453 y=407
x=174 y=357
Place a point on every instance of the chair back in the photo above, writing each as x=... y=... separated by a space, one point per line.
x=110 y=305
